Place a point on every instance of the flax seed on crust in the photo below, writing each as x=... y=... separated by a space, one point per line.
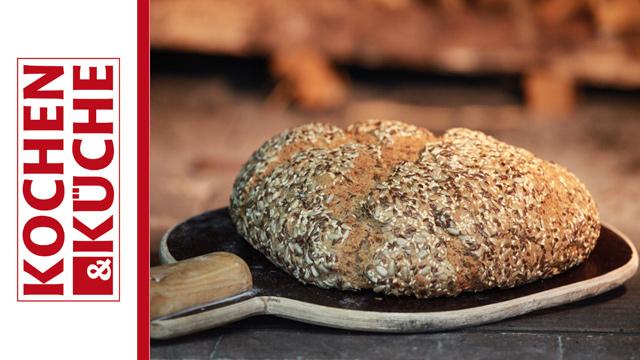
x=391 y=207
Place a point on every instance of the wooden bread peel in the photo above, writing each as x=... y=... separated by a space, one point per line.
x=212 y=277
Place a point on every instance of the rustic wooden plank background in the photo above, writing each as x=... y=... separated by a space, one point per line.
x=555 y=44
x=209 y=113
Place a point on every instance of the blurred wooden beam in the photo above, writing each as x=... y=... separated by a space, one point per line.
x=307 y=77
x=517 y=37
x=549 y=92
x=368 y=32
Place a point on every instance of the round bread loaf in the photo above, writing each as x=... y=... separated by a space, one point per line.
x=389 y=206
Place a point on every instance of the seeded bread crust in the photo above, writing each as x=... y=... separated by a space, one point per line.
x=389 y=206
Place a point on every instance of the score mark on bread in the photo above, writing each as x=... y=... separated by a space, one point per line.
x=389 y=206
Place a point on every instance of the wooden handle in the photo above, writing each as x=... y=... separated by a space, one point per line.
x=197 y=281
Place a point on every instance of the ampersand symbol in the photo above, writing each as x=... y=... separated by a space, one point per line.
x=101 y=270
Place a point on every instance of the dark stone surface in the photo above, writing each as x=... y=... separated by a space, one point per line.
x=329 y=344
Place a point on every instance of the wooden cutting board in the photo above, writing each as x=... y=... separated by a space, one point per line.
x=196 y=292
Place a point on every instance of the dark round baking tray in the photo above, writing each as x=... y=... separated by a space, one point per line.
x=214 y=231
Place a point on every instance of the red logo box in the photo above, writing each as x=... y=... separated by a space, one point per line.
x=92 y=276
